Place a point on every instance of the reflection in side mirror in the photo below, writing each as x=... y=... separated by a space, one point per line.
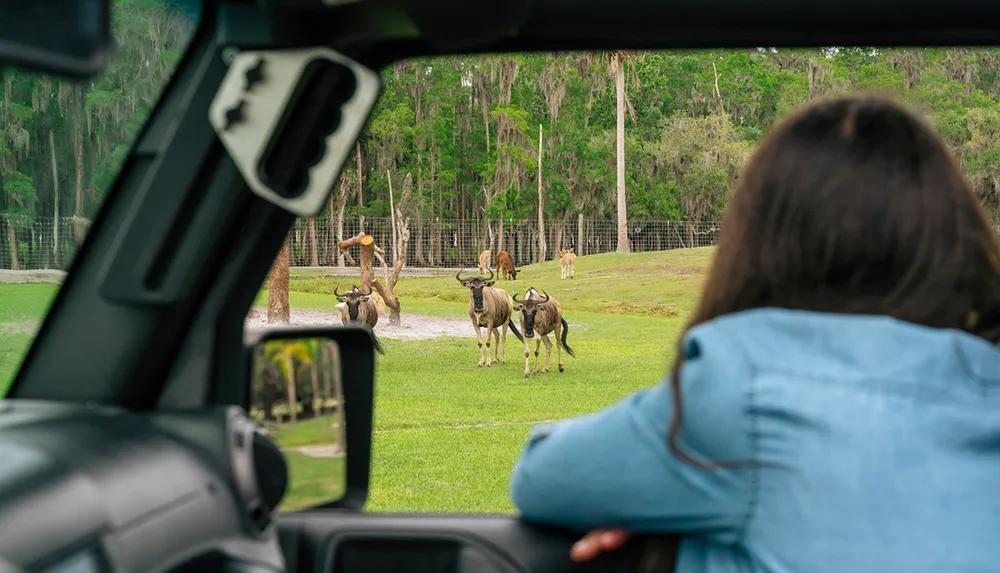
x=297 y=396
x=64 y=37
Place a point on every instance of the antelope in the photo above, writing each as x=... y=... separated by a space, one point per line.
x=484 y=261
x=567 y=258
x=506 y=265
x=539 y=317
x=359 y=308
x=491 y=308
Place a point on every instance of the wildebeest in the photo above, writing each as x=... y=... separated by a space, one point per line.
x=491 y=308
x=539 y=317
x=484 y=261
x=567 y=259
x=506 y=265
x=379 y=304
x=359 y=308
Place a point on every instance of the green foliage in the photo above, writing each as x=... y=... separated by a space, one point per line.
x=682 y=152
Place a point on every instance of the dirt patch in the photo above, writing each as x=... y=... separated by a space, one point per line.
x=322 y=451
x=32 y=277
x=685 y=271
x=413 y=327
x=21 y=327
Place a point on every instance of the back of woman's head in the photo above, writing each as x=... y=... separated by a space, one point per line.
x=854 y=205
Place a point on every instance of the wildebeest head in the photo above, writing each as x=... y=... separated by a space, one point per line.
x=352 y=299
x=529 y=307
x=475 y=286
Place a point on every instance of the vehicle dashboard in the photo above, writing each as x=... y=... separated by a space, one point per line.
x=91 y=489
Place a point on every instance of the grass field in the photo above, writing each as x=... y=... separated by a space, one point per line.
x=447 y=433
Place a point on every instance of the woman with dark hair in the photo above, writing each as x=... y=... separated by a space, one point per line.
x=835 y=403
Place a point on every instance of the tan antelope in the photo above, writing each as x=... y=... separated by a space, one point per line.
x=484 y=261
x=539 y=317
x=505 y=263
x=491 y=308
x=359 y=308
x=567 y=259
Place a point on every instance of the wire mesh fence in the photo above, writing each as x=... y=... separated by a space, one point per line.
x=47 y=243
x=453 y=243
x=43 y=243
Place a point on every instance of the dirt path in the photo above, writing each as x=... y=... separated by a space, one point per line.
x=413 y=327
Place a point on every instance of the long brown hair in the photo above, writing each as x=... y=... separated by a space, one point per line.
x=852 y=205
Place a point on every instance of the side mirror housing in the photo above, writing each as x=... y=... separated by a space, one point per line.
x=342 y=360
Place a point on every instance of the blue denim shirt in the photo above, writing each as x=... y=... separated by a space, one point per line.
x=877 y=442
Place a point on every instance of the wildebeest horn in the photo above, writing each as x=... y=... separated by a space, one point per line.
x=335 y=293
x=515 y=298
x=369 y=287
x=491 y=275
x=458 y=275
x=546 y=295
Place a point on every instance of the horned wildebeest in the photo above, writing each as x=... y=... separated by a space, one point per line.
x=567 y=259
x=359 y=308
x=484 y=261
x=506 y=265
x=491 y=308
x=539 y=317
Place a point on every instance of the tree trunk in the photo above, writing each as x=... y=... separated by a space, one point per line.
x=293 y=402
x=365 y=258
x=392 y=220
x=15 y=264
x=341 y=204
x=558 y=239
x=317 y=400
x=55 y=201
x=361 y=178
x=580 y=251
x=419 y=247
x=541 y=203
x=79 y=224
x=623 y=246
x=338 y=394
x=313 y=250
x=500 y=234
x=277 y=280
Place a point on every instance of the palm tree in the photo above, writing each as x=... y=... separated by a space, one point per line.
x=286 y=353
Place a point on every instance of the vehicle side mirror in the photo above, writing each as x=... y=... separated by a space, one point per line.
x=311 y=391
x=64 y=37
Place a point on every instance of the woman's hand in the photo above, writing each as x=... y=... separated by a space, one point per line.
x=597 y=542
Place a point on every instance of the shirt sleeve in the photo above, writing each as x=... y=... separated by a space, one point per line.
x=613 y=468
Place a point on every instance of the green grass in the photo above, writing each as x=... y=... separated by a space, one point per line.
x=21 y=308
x=447 y=433
x=312 y=481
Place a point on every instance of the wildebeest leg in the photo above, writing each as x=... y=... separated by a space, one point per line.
x=503 y=343
x=548 y=353
x=496 y=342
x=538 y=344
x=479 y=339
x=527 y=355
x=489 y=335
x=557 y=332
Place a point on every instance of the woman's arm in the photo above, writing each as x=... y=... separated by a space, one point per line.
x=613 y=469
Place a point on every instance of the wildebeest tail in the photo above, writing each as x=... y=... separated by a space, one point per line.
x=510 y=323
x=565 y=333
x=378 y=344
